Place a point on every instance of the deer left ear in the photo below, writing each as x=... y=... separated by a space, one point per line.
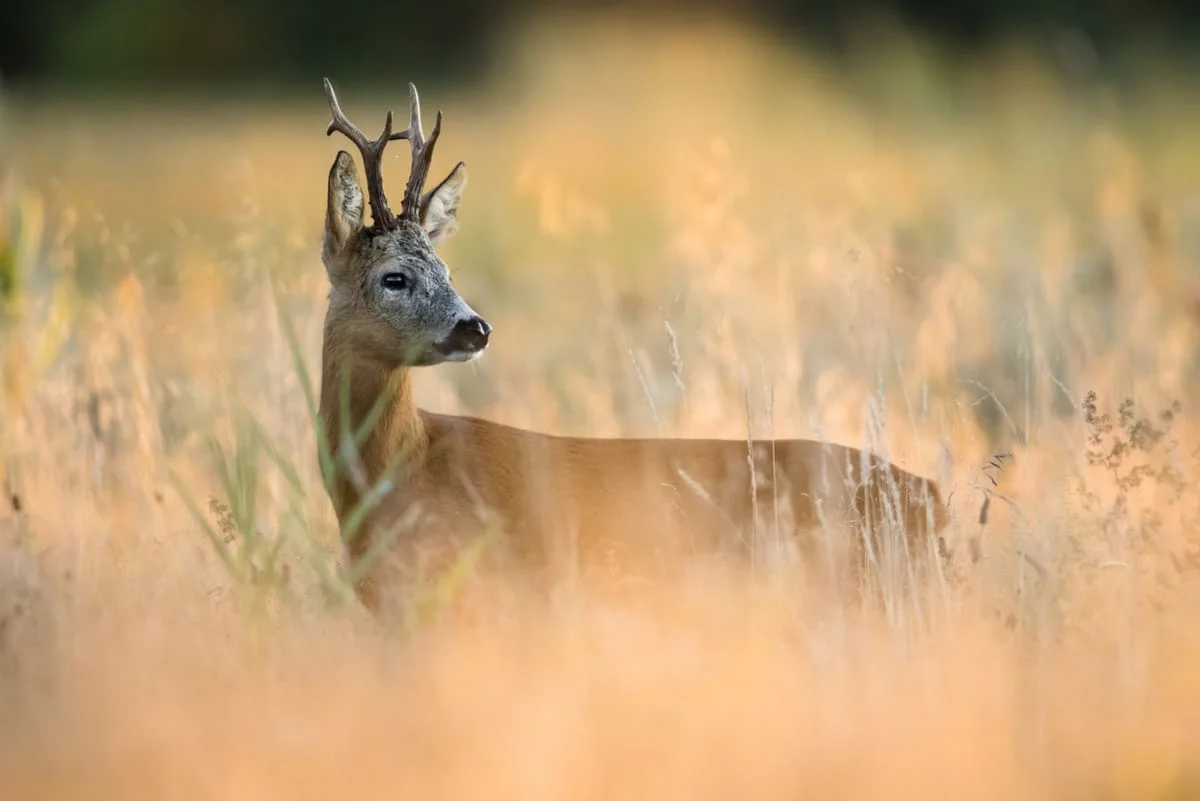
x=343 y=205
x=439 y=207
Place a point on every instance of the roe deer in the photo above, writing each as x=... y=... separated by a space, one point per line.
x=411 y=488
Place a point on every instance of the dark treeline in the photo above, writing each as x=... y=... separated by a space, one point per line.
x=280 y=41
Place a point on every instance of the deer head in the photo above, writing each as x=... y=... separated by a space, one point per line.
x=391 y=302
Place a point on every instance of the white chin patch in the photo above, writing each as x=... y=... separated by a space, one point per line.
x=464 y=355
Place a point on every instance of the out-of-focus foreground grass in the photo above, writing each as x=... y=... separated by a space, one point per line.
x=689 y=232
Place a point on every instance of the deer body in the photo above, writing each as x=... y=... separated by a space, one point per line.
x=434 y=484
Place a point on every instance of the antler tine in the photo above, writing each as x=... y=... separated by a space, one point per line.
x=371 y=152
x=340 y=122
x=422 y=155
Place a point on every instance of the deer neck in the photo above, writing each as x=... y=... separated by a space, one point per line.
x=390 y=449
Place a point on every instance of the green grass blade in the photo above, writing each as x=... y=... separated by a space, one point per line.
x=214 y=537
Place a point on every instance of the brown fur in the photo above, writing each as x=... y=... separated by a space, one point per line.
x=551 y=503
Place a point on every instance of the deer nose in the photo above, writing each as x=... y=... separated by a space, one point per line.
x=470 y=334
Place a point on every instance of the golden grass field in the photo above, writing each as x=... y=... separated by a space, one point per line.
x=690 y=232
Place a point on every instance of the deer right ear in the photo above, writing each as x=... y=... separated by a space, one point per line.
x=439 y=207
x=344 y=206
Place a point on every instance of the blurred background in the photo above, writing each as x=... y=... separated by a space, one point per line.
x=205 y=44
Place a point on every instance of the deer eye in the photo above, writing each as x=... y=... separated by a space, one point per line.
x=395 y=282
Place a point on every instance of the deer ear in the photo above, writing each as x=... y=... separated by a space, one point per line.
x=439 y=207
x=344 y=205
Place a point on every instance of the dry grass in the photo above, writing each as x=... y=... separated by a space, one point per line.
x=748 y=249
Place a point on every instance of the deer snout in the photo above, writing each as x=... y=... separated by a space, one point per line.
x=470 y=335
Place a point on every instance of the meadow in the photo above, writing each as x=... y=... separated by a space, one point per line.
x=987 y=273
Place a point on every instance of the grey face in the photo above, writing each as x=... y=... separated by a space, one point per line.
x=391 y=300
x=414 y=315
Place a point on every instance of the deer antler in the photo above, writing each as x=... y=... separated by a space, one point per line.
x=372 y=156
x=422 y=155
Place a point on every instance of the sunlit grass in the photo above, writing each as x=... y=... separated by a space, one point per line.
x=679 y=233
